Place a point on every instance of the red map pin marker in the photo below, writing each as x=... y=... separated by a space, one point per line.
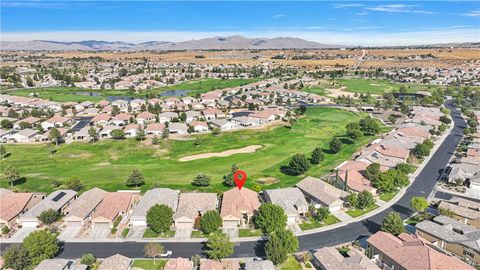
x=240 y=178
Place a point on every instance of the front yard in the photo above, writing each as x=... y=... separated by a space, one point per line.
x=312 y=223
x=359 y=212
x=149 y=264
x=387 y=196
x=249 y=232
x=149 y=233
x=290 y=264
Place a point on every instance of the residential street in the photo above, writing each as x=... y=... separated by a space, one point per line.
x=422 y=186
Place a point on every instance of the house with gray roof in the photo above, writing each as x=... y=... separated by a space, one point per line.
x=54 y=264
x=290 y=199
x=81 y=209
x=178 y=128
x=58 y=200
x=116 y=262
x=223 y=124
x=259 y=265
x=165 y=196
x=321 y=194
x=192 y=205
x=328 y=258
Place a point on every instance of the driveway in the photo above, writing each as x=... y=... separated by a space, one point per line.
x=100 y=231
x=183 y=232
x=22 y=233
x=231 y=232
x=136 y=232
x=69 y=232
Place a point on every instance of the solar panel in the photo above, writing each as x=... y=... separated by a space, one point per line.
x=59 y=196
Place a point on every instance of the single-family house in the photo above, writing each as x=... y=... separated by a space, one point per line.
x=206 y=264
x=113 y=205
x=121 y=119
x=352 y=173
x=29 y=121
x=14 y=204
x=192 y=115
x=259 y=265
x=211 y=113
x=290 y=199
x=24 y=136
x=199 y=126
x=81 y=210
x=116 y=262
x=131 y=130
x=238 y=207
x=223 y=124
x=145 y=118
x=101 y=119
x=58 y=200
x=106 y=131
x=329 y=258
x=167 y=117
x=321 y=194
x=121 y=104
x=178 y=264
x=54 y=264
x=178 y=128
x=191 y=206
x=465 y=211
x=245 y=121
x=154 y=129
x=165 y=196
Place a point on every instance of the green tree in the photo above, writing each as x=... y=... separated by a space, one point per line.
x=372 y=171
x=405 y=168
x=335 y=145
x=140 y=135
x=210 y=221
x=160 y=218
x=16 y=257
x=219 y=246
x=54 y=136
x=228 y=179
x=353 y=130
x=298 y=164
x=153 y=250
x=11 y=175
x=88 y=259
x=92 y=133
x=281 y=243
x=41 y=245
x=421 y=150
x=3 y=151
x=365 y=200
x=201 y=180
x=393 y=224
x=183 y=117
x=419 y=204
x=6 y=124
x=117 y=134
x=270 y=217
x=322 y=213
x=136 y=178
x=49 y=216
x=385 y=181
x=317 y=156
x=352 y=200
x=74 y=183
x=369 y=126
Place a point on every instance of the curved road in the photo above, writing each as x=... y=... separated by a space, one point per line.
x=422 y=186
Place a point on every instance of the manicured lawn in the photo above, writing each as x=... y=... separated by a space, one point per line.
x=387 y=196
x=200 y=234
x=206 y=85
x=378 y=87
x=312 y=224
x=149 y=264
x=315 y=90
x=107 y=164
x=249 y=232
x=358 y=212
x=125 y=232
x=149 y=233
x=290 y=264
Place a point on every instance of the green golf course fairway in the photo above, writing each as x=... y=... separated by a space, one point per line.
x=107 y=164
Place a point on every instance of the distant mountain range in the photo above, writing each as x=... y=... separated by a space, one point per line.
x=213 y=43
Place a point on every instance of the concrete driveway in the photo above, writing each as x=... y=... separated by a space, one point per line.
x=22 y=233
x=69 y=232
x=136 y=232
x=231 y=232
x=183 y=232
x=100 y=231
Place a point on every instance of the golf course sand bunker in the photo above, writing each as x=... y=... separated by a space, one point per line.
x=244 y=150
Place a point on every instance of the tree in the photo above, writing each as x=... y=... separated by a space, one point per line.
x=183 y=117
x=369 y=126
x=365 y=200
x=54 y=136
x=405 y=168
x=210 y=221
x=136 y=178
x=353 y=130
x=352 y=200
x=298 y=164
x=49 y=216
x=74 y=184
x=11 y=175
x=140 y=135
x=421 y=150
x=317 y=156
x=335 y=145
x=270 y=217
x=3 y=151
x=160 y=218
x=372 y=171
x=117 y=134
x=92 y=133
x=16 y=257
x=281 y=243
x=153 y=250
x=155 y=140
x=201 y=180
x=385 y=181
x=6 y=124
x=322 y=213
x=88 y=259
x=228 y=179
x=219 y=246
x=393 y=224
x=41 y=245
x=418 y=204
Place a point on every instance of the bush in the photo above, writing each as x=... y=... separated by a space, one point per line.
x=49 y=216
x=335 y=145
x=317 y=156
x=322 y=214
x=210 y=221
x=298 y=164
x=88 y=259
x=393 y=224
x=365 y=200
x=160 y=218
x=201 y=180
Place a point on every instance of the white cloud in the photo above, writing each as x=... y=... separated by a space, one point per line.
x=473 y=13
x=398 y=8
x=347 y=5
x=365 y=37
x=279 y=16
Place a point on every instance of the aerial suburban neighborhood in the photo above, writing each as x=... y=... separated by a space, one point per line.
x=272 y=136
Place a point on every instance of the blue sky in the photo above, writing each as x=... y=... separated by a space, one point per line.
x=344 y=22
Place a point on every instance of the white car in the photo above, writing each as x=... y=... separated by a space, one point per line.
x=166 y=254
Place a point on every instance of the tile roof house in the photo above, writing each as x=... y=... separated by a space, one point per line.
x=238 y=206
x=13 y=204
x=56 y=121
x=24 y=135
x=165 y=196
x=101 y=119
x=131 y=130
x=290 y=199
x=410 y=253
x=191 y=205
x=154 y=129
x=199 y=126
x=449 y=234
x=54 y=264
x=144 y=118
x=330 y=259
x=386 y=155
x=353 y=172
x=113 y=205
x=259 y=265
x=206 y=264
x=178 y=264
x=58 y=200
x=167 y=117
x=81 y=210
x=121 y=119
x=322 y=194
x=178 y=128
x=464 y=210
x=116 y=262
x=223 y=124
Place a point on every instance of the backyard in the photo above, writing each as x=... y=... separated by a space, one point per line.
x=107 y=164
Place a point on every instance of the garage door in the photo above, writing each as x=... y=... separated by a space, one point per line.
x=141 y=223
x=184 y=225
x=74 y=223
x=230 y=224
x=29 y=224
x=335 y=208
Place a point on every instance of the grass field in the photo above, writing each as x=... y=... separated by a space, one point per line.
x=378 y=87
x=107 y=164
x=359 y=212
x=149 y=264
x=312 y=224
x=290 y=264
x=249 y=232
x=149 y=233
x=388 y=195
x=75 y=94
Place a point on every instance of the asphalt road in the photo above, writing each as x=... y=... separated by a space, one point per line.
x=422 y=186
